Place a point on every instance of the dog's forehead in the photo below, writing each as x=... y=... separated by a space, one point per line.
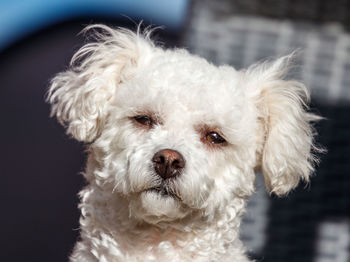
x=182 y=84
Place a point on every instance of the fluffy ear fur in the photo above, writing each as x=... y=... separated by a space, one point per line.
x=80 y=96
x=286 y=155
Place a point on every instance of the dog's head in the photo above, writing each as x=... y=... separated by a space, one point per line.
x=174 y=134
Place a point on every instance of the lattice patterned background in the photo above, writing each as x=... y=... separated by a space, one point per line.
x=312 y=224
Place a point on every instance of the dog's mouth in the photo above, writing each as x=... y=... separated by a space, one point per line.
x=165 y=192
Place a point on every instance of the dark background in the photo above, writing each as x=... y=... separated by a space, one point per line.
x=40 y=164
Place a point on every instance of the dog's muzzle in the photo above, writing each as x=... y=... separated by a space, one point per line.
x=168 y=163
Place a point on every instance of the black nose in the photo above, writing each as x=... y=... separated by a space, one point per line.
x=168 y=163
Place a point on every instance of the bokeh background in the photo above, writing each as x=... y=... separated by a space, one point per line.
x=40 y=166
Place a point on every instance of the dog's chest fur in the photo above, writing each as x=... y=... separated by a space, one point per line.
x=112 y=235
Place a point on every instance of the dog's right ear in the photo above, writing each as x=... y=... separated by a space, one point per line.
x=80 y=97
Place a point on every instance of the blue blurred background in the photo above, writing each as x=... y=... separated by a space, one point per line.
x=40 y=166
x=20 y=18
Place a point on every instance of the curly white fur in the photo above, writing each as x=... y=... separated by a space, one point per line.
x=122 y=74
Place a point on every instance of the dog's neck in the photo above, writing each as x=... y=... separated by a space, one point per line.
x=107 y=220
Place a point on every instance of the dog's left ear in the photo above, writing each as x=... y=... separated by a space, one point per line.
x=287 y=151
x=80 y=97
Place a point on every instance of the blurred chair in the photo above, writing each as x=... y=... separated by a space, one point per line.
x=22 y=17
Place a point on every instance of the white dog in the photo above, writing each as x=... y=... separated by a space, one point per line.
x=174 y=143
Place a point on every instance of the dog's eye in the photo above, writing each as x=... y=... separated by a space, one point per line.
x=214 y=138
x=144 y=120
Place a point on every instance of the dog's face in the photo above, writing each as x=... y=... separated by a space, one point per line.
x=176 y=135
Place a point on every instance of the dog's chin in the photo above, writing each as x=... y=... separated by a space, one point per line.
x=154 y=206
